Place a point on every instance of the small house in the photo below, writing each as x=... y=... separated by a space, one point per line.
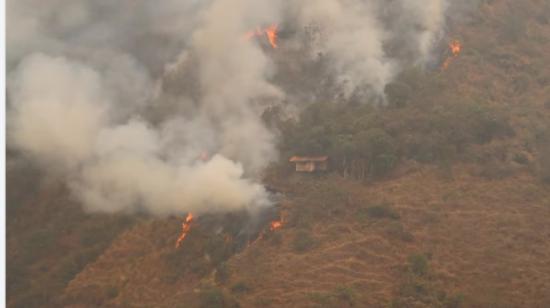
x=310 y=164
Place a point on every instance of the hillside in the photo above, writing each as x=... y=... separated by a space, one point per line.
x=449 y=207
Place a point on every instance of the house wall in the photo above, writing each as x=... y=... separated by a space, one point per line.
x=311 y=166
x=305 y=166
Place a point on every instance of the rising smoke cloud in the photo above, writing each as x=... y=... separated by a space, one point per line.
x=123 y=99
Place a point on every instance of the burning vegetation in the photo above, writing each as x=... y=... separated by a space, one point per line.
x=237 y=230
x=273 y=227
x=455 y=47
x=185 y=227
x=270 y=33
x=277 y=224
x=330 y=88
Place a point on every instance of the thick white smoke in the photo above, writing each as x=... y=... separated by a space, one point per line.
x=353 y=41
x=368 y=42
x=62 y=120
x=123 y=99
x=59 y=109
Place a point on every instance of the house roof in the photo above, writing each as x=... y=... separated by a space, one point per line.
x=295 y=159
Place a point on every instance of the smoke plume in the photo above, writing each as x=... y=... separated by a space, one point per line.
x=156 y=106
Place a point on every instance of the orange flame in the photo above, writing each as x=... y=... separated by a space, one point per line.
x=276 y=225
x=185 y=227
x=455 y=47
x=270 y=32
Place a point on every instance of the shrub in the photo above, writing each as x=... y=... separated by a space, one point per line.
x=418 y=291
x=32 y=298
x=66 y=270
x=521 y=159
x=513 y=27
x=90 y=295
x=345 y=294
x=457 y=125
x=382 y=164
x=274 y=238
x=414 y=288
x=200 y=267
x=398 y=94
x=378 y=147
x=37 y=244
x=423 y=147
x=222 y=273
x=240 y=287
x=418 y=264
x=521 y=83
x=177 y=263
x=216 y=249
x=101 y=230
x=212 y=298
x=303 y=241
x=454 y=301
x=495 y=170
x=396 y=230
x=16 y=278
x=173 y=258
x=489 y=124
x=544 y=166
x=382 y=211
x=323 y=299
x=543 y=160
x=303 y=217
x=111 y=292
x=215 y=298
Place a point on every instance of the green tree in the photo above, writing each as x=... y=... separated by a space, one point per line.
x=379 y=149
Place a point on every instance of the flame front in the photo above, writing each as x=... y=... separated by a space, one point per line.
x=455 y=47
x=270 y=32
x=273 y=226
x=276 y=225
x=185 y=227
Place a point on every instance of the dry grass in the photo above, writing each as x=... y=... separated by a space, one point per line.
x=487 y=238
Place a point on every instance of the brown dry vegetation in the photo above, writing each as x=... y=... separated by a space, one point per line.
x=485 y=242
x=465 y=227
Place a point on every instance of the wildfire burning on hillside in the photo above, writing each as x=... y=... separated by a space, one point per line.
x=277 y=224
x=251 y=229
x=273 y=226
x=271 y=33
x=123 y=140
x=455 y=47
x=185 y=227
x=124 y=123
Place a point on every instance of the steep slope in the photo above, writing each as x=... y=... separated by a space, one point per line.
x=49 y=238
x=472 y=231
x=485 y=240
